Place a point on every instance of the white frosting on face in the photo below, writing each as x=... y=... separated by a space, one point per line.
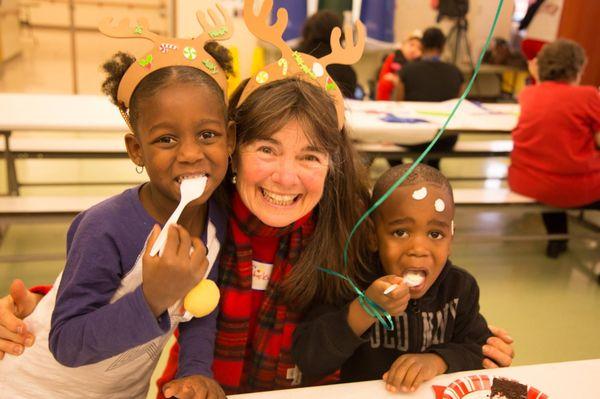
x=420 y=193
x=413 y=279
x=440 y=205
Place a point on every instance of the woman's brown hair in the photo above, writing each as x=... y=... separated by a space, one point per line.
x=345 y=196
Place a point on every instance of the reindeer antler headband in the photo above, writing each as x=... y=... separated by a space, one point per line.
x=170 y=51
x=295 y=64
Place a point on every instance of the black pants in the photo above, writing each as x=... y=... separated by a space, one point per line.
x=444 y=144
x=556 y=222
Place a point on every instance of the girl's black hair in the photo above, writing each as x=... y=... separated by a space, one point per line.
x=116 y=67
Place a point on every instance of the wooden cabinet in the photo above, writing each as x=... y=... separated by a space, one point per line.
x=10 y=44
x=580 y=22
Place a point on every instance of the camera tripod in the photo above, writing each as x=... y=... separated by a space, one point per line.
x=458 y=32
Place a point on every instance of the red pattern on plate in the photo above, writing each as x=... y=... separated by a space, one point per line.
x=464 y=385
x=473 y=383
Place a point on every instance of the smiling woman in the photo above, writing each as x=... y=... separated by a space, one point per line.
x=281 y=178
x=292 y=160
x=293 y=177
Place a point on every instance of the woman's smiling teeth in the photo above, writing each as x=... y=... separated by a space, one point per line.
x=279 y=199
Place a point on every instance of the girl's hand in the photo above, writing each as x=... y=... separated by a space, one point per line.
x=167 y=278
x=409 y=371
x=194 y=387
x=498 y=350
x=20 y=302
x=395 y=302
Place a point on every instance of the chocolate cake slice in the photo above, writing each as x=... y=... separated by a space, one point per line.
x=503 y=388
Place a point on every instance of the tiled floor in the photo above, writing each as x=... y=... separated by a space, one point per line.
x=551 y=307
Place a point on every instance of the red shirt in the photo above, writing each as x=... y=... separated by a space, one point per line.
x=385 y=88
x=555 y=158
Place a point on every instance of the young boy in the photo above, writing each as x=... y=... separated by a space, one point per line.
x=434 y=304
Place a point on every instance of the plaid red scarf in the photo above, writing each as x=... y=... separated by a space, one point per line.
x=264 y=363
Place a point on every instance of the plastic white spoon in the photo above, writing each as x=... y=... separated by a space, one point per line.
x=191 y=188
x=411 y=279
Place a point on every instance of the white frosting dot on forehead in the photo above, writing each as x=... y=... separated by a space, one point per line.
x=420 y=193
x=439 y=205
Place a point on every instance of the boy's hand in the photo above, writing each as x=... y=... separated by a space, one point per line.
x=194 y=387
x=409 y=371
x=169 y=277
x=395 y=302
x=14 y=307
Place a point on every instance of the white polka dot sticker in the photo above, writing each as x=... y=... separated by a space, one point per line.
x=439 y=205
x=420 y=193
x=318 y=69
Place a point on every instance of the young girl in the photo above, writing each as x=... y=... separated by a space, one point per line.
x=114 y=306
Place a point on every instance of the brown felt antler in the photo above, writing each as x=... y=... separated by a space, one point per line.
x=349 y=54
x=219 y=30
x=124 y=30
x=300 y=65
x=257 y=24
x=168 y=51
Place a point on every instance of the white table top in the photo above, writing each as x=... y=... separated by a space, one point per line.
x=568 y=380
x=64 y=112
x=59 y=112
x=364 y=119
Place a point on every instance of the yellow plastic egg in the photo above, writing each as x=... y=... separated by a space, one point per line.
x=202 y=299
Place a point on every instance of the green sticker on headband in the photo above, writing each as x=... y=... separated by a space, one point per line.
x=329 y=84
x=302 y=65
x=262 y=77
x=218 y=32
x=210 y=66
x=190 y=53
x=146 y=62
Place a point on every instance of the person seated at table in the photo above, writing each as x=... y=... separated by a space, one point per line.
x=389 y=73
x=556 y=156
x=500 y=53
x=515 y=75
x=430 y=79
x=437 y=327
x=316 y=34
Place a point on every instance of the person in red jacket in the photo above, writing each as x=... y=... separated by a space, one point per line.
x=389 y=74
x=556 y=156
